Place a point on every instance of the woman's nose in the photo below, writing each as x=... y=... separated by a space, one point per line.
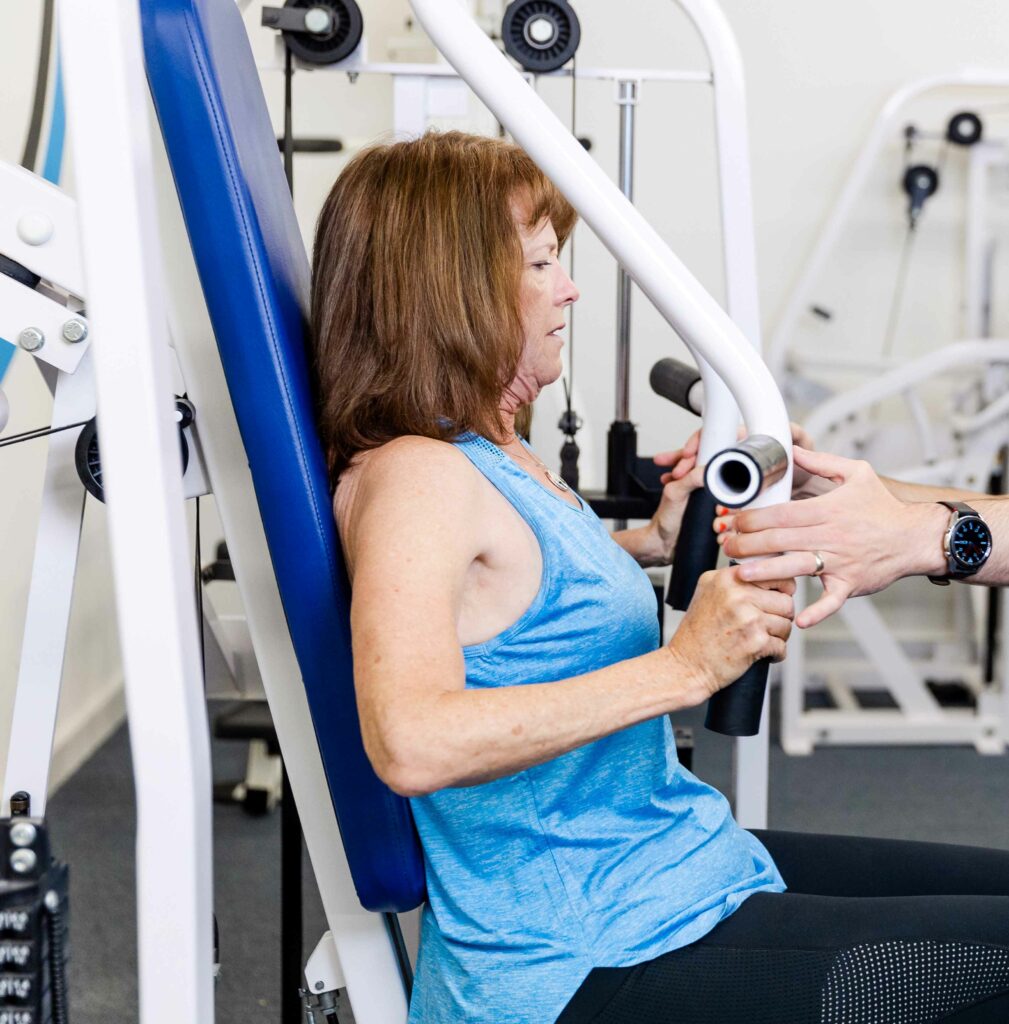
x=568 y=291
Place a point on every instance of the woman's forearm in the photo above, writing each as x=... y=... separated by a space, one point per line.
x=643 y=544
x=466 y=737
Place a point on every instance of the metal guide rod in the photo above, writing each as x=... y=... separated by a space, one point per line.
x=627 y=100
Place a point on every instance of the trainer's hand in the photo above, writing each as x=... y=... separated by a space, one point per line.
x=731 y=624
x=863 y=534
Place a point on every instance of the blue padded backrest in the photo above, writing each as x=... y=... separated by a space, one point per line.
x=255 y=277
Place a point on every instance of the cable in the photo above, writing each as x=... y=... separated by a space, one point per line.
x=31 y=435
x=198 y=578
x=31 y=150
x=571 y=244
x=898 y=292
x=288 y=120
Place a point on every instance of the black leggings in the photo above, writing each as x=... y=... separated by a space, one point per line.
x=871 y=931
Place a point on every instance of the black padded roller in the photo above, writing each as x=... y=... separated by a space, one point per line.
x=673 y=380
x=696 y=549
x=736 y=710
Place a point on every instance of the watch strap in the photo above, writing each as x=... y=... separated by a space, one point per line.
x=955 y=572
x=959 y=506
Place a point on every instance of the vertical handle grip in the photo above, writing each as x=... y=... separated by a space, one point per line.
x=735 y=711
x=696 y=549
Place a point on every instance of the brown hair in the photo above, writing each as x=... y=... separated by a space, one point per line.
x=416 y=323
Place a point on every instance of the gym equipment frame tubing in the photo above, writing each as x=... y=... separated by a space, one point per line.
x=143 y=483
x=882 y=130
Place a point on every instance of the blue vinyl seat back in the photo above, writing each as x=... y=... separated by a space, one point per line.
x=255 y=276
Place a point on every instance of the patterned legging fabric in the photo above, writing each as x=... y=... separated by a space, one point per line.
x=871 y=931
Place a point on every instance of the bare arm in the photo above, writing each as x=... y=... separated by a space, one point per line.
x=411 y=545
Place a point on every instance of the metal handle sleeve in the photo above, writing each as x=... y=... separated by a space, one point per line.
x=736 y=710
x=696 y=549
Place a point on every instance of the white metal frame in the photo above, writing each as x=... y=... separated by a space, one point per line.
x=143 y=482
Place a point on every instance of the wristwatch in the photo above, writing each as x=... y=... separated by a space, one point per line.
x=966 y=543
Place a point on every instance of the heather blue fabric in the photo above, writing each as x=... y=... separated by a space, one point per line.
x=609 y=855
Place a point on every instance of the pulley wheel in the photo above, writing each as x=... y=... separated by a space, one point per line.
x=920 y=183
x=88 y=459
x=335 y=42
x=964 y=129
x=542 y=35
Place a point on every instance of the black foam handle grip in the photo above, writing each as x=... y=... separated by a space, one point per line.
x=736 y=710
x=696 y=549
x=672 y=379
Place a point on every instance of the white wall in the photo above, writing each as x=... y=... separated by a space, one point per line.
x=817 y=75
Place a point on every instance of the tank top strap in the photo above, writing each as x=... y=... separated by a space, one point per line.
x=531 y=498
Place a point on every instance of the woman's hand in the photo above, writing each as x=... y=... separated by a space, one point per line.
x=731 y=624
x=862 y=533
x=653 y=544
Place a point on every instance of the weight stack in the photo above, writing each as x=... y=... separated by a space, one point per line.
x=33 y=926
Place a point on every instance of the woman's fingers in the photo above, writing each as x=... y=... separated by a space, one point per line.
x=668 y=458
x=773 y=602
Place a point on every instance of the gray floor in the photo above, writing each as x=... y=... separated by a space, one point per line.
x=941 y=794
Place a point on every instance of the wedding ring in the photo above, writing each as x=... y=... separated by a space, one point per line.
x=818 y=571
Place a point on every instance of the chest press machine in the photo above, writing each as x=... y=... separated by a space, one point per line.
x=188 y=242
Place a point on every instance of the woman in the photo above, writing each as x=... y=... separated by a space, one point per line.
x=509 y=675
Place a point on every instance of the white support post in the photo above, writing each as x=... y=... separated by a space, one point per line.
x=751 y=754
x=106 y=90
x=49 y=597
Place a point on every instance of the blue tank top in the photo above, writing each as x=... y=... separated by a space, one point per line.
x=606 y=856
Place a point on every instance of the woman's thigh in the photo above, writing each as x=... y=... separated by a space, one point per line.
x=825 y=865
x=788 y=958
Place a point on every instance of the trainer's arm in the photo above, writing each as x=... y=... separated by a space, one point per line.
x=868 y=531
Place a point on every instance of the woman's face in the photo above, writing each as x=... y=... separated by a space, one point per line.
x=544 y=293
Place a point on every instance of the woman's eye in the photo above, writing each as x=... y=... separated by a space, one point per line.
x=541 y=264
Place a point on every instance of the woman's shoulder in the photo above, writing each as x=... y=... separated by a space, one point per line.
x=409 y=457
x=405 y=468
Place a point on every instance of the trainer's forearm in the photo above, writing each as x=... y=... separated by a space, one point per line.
x=923 y=540
x=466 y=737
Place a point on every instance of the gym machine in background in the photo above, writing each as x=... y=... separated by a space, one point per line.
x=939 y=416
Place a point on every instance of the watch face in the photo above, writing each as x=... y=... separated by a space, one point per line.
x=970 y=542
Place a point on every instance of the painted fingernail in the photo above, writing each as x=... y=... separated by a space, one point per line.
x=721 y=527
x=721 y=510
